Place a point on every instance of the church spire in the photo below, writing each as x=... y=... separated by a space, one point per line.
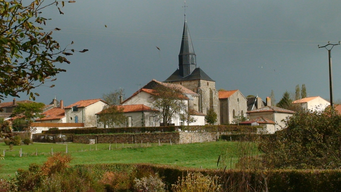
x=187 y=57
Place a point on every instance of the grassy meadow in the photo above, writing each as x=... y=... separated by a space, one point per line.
x=196 y=155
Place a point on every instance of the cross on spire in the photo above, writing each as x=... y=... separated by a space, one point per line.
x=185 y=5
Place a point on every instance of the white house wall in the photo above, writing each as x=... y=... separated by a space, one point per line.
x=140 y=98
x=318 y=104
x=90 y=111
x=85 y=115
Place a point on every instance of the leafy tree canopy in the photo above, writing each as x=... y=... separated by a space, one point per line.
x=29 y=55
x=311 y=140
x=285 y=102
x=29 y=111
x=115 y=97
x=112 y=116
x=169 y=101
x=211 y=117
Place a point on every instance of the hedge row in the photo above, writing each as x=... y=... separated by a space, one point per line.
x=207 y=128
x=241 y=180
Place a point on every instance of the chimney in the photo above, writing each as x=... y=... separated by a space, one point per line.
x=259 y=102
x=61 y=104
x=121 y=99
x=268 y=101
x=14 y=101
x=54 y=102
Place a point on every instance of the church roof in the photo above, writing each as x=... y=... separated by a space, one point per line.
x=226 y=94
x=187 y=47
x=197 y=74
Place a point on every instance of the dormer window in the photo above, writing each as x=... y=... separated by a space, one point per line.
x=75 y=108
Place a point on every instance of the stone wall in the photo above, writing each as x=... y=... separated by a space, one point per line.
x=193 y=137
x=129 y=138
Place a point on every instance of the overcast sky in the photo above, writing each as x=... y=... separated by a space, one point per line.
x=252 y=45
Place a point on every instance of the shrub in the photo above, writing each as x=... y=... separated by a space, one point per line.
x=311 y=140
x=17 y=140
x=27 y=141
x=56 y=163
x=117 y=181
x=193 y=182
x=8 y=141
x=152 y=183
x=72 y=179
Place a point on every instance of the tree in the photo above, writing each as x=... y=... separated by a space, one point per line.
x=29 y=111
x=311 y=140
x=187 y=116
x=169 y=101
x=28 y=53
x=112 y=116
x=285 y=102
x=297 y=92
x=20 y=124
x=115 y=97
x=211 y=117
x=303 y=91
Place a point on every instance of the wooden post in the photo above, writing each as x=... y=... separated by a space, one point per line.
x=159 y=143
x=110 y=147
x=4 y=152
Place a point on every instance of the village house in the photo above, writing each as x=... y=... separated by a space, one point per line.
x=144 y=97
x=233 y=106
x=316 y=103
x=84 y=111
x=272 y=113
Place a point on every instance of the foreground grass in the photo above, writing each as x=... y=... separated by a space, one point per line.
x=196 y=155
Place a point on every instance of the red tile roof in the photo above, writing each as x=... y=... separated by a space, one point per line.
x=84 y=103
x=305 y=100
x=271 y=109
x=183 y=89
x=259 y=120
x=226 y=94
x=135 y=108
x=10 y=104
x=131 y=108
x=53 y=114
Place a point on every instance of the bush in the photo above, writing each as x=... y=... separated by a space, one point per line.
x=117 y=181
x=311 y=140
x=27 y=141
x=56 y=163
x=153 y=183
x=17 y=140
x=197 y=182
x=8 y=141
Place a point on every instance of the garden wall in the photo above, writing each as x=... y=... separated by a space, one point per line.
x=173 y=137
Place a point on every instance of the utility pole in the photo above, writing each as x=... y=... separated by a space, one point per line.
x=329 y=46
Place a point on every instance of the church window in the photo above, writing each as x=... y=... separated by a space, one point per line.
x=208 y=84
x=234 y=113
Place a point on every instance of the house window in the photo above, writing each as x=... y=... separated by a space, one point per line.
x=129 y=122
x=74 y=108
x=76 y=119
x=234 y=113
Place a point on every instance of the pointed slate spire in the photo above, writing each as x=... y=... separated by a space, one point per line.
x=187 y=57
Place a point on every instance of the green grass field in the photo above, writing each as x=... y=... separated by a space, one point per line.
x=196 y=155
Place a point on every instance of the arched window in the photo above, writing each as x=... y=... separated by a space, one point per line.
x=234 y=113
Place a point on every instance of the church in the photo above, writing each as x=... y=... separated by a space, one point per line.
x=196 y=85
x=194 y=78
